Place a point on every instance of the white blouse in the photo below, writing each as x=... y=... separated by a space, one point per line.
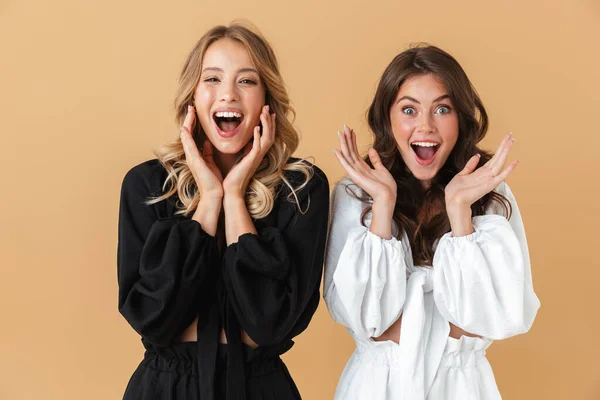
x=481 y=283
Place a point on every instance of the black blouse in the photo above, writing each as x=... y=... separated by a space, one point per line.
x=170 y=271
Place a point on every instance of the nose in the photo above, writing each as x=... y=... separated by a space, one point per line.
x=228 y=92
x=425 y=123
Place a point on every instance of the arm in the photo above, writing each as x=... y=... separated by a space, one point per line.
x=237 y=218
x=235 y=185
x=272 y=277
x=482 y=281
x=365 y=275
x=165 y=263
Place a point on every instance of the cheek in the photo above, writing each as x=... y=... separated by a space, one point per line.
x=402 y=129
x=203 y=101
x=450 y=131
x=254 y=101
x=204 y=97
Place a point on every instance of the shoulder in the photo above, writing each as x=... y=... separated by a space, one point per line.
x=147 y=177
x=347 y=193
x=495 y=207
x=504 y=190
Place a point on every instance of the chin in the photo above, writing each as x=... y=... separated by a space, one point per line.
x=227 y=148
x=424 y=175
x=232 y=145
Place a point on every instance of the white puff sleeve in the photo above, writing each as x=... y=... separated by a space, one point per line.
x=482 y=282
x=365 y=275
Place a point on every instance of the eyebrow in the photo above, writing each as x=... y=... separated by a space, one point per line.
x=442 y=97
x=238 y=71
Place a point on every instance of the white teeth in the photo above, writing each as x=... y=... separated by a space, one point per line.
x=228 y=114
x=425 y=144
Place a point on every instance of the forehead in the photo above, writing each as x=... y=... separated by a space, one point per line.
x=227 y=54
x=427 y=86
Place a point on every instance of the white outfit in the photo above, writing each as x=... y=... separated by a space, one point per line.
x=480 y=283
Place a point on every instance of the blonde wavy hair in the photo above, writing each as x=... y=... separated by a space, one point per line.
x=260 y=193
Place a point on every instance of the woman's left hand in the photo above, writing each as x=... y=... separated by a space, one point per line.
x=471 y=184
x=239 y=176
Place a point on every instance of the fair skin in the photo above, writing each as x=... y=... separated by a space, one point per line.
x=425 y=127
x=229 y=104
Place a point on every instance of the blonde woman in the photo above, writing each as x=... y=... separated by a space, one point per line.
x=221 y=249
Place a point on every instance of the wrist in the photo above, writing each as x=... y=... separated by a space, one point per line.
x=233 y=190
x=385 y=199
x=381 y=218
x=460 y=220
x=212 y=196
x=234 y=197
x=384 y=205
x=456 y=207
x=207 y=214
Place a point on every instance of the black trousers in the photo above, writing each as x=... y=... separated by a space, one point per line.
x=171 y=373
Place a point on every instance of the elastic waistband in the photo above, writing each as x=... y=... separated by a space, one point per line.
x=183 y=359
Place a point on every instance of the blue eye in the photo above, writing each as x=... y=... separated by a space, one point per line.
x=408 y=110
x=443 y=110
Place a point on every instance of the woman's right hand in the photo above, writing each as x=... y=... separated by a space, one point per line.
x=206 y=173
x=378 y=182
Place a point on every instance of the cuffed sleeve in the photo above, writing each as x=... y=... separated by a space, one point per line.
x=165 y=262
x=482 y=282
x=365 y=275
x=272 y=278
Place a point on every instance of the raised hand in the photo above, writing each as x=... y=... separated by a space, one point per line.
x=378 y=182
x=471 y=184
x=239 y=176
x=206 y=174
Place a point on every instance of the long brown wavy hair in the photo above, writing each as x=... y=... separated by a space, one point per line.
x=260 y=195
x=412 y=200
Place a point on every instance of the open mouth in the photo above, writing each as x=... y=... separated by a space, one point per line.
x=425 y=151
x=228 y=121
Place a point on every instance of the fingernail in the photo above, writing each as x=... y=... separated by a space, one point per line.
x=339 y=133
x=512 y=138
x=345 y=127
x=478 y=155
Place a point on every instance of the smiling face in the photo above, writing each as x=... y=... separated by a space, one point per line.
x=229 y=96
x=425 y=125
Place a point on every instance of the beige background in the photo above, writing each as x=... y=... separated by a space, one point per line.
x=86 y=90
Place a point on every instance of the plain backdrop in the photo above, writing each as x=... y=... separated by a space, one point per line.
x=86 y=92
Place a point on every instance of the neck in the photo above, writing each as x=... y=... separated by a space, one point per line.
x=225 y=161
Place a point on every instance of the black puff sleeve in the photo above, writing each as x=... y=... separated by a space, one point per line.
x=165 y=263
x=272 y=278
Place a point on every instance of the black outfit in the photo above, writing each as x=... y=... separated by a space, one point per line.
x=171 y=271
